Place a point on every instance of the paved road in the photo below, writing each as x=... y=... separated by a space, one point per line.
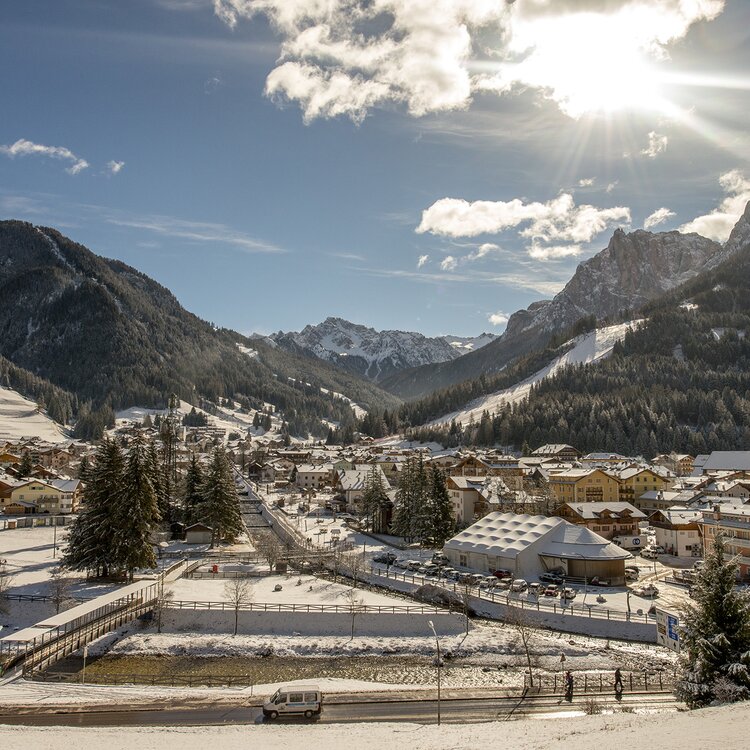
x=418 y=711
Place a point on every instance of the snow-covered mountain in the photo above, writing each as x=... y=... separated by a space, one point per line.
x=376 y=354
x=634 y=269
x=582 y=350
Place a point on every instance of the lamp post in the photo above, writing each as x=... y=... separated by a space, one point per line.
x=437 y=644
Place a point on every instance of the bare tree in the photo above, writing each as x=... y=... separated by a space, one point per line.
x=5 y=582
x=356 y=564
x=269 y=548
x=239 y=594
x=60 y=589
x=161 y=604
x=355 y=605
x=520 y=622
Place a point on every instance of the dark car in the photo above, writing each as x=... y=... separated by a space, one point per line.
x=550 y=578
x=501 y=573
x=386 y=558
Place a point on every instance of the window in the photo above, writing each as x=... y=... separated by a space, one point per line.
x=295 y=697
x=311 y=697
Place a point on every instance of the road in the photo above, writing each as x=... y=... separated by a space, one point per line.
x=454 y=711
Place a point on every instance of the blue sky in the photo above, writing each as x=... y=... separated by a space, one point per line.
x=428 y=166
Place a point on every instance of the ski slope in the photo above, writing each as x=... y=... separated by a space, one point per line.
x=19 y=419
x=586 y=349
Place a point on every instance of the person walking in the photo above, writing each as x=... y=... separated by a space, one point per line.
x=618 y=682
x=568 y=686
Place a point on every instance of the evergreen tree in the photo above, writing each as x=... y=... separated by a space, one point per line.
x=220 y=506
x=93 y=534
x=137 y=512
x=441 y=508
x=192 y=497
x=410 y=520
x=26 y=466
x=162 y=483
x=375 y=498
x=715 y=647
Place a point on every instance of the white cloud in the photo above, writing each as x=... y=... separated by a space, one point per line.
x=448 y=263
x=657 y=217
x=586 y=182
x=718 y=224
x=115 y=167
x=657 y=144
x=23 y=147
x=498 y=318
x=344 y=57
x=553 y=252
x=195 y=231
x=611 y=186
x=556 y=221
x=423 y=259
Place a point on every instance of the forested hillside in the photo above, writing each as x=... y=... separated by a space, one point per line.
x=680 y=381
x=115 y=338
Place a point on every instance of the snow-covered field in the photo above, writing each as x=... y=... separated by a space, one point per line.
x=587 y=348
x=19 y=419
x=726 y=728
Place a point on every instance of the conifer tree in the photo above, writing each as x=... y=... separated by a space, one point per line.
x=715 y=635
x=26 y=466
x=374 y=498
x=192 y=497
x=410 y=519
x=162 y=483
x=137 y=512
x=441 y=509
x=92 y=536
x=220 y=506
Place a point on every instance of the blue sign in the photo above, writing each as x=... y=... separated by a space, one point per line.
x=636 y=541
x=672 y=624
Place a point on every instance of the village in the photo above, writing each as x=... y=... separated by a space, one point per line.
x=550 y=562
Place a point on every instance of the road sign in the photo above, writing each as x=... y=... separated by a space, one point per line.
x=668 y=629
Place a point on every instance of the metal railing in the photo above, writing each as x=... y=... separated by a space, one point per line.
x=537 y=604
x=307 y=608
x=600 y=682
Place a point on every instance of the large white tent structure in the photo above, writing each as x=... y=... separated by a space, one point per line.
x=529 y=545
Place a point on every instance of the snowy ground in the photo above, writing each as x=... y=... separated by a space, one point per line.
x=311 y=590
x=726 y=728
x=586 y=349
x=19 y=419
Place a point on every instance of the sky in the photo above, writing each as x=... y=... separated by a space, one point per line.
x=427 y=165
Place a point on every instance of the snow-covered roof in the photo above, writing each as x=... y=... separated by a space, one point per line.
x=595 y=509
x=727 y=461
x=509 y=534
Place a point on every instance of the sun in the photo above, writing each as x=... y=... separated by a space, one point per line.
x=586 y=64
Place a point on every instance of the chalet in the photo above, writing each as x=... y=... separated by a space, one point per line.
x=606 y=519
x=352 y=482
x=677 y=530
x=680 y=464
x=635 y=481
x=559 y=451
x=313 y=477
x=584 y=485
x=733 y=523
x=55 y=496
x=465 y=495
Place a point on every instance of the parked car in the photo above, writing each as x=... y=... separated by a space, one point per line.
x=568 y=593
x=475 y=579
x=465 y=577
x=535 y=588
x=550 y=578
x=387 y=558
x=450 y=574
x=648 y=591
x=439 y=557
x=414 y=565
x=502 y=573
x=698 y=564
x=400 y=563
x=519 y=585
x=552 y=590
x=631 y=574
x=657 y=548
x=649 y=553
x=488 y=582
x=503 y=584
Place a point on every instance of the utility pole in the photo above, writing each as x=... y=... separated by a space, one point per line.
x=437 y=643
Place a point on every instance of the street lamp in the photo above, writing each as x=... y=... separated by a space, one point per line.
x=437 y=644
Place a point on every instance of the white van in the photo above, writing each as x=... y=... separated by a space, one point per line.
x=292 y=700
